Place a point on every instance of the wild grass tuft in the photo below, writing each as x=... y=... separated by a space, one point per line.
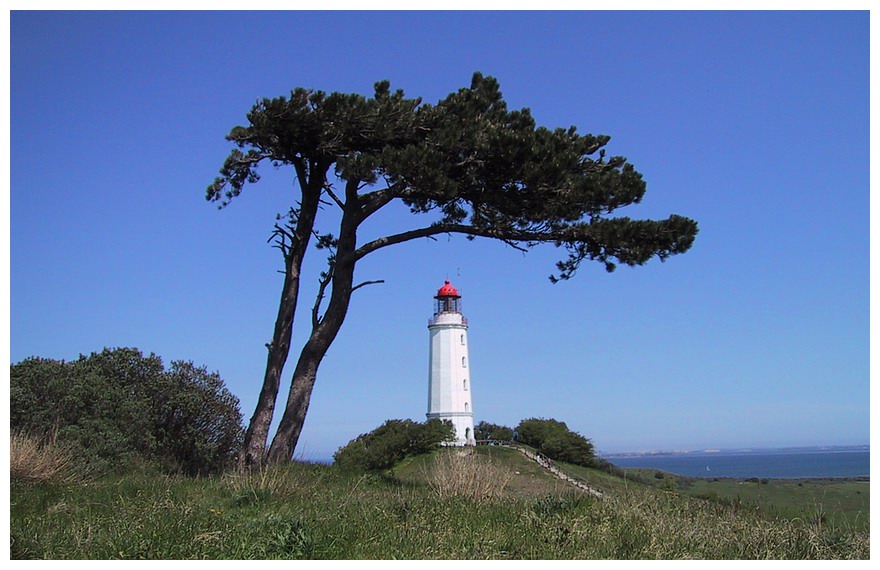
x=31 y=461
x=464 y=473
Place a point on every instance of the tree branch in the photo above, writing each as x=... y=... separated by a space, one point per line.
x=329 y=190
x=373 y=201
x=365 y=283
x=508 y=236
x=281 y=236
x=322 y=287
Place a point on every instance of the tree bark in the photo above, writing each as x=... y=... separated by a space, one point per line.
x=323 y=335
x=256 y=436
x=258 y=429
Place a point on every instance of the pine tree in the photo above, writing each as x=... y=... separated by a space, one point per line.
x=480 y=169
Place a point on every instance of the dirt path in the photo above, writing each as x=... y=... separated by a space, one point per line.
x=547 y=464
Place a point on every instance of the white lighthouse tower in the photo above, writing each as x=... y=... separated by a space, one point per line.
x=449 y=381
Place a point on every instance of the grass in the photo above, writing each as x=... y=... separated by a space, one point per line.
x=829 y=501
x=320 y=512
x=466 y=473
x=32 y=460
x=837 y=502
x=520 y=478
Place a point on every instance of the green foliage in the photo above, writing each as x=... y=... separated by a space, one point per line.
x=484 y=169
x=485 y=430
x=118 y=406
x=276 y=537
x=394 y=440
x=196 y=419
x=555 y=440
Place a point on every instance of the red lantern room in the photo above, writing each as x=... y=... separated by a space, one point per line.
x=448 y=299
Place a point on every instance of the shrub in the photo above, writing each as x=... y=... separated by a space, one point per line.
x=197 y=422
x=555 y=440
x=485 y=430
x=391 y=442
x=608 y=467
x=117 y=406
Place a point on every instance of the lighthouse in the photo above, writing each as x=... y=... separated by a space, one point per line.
x=449 y=380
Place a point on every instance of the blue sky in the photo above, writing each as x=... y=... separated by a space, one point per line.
x=756 y=124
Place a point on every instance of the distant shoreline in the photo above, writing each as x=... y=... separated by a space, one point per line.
x=790 y=463
x=740 y=451
x=811 y=480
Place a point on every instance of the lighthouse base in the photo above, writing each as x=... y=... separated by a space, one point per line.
x=463 y=424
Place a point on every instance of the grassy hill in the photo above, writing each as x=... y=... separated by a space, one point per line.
x=826 y=501
x=489 y=504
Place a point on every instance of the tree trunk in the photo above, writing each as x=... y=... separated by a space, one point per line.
x=254 y=449
x=290 y=427
x=256 y=436
x=323 y=335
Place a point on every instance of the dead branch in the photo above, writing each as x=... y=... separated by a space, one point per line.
x=329 y=190
x=326 y=277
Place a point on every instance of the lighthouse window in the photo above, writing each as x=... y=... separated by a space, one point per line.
x=466 y=407
x=464 y=361
x=465 y=383
x=462 y=340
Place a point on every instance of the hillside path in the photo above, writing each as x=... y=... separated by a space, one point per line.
x=547 y=464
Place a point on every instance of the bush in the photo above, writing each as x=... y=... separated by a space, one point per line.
x=608 y=467
x=117 y=406
x=394 y=440
x=485 y=430
x=556 y=441
x=198 y=423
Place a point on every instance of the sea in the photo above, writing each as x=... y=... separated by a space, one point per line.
x=795 y=463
